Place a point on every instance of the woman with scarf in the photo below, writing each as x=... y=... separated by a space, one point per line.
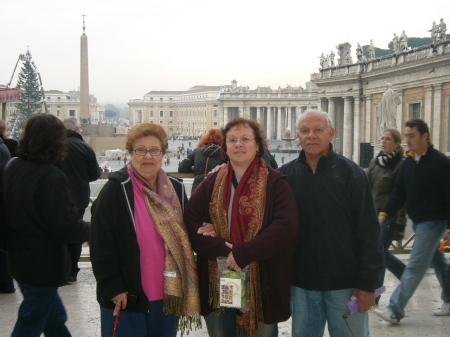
x=140 y=251
x=383 y=172
x=254 y=220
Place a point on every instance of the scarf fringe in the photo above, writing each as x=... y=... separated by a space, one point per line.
x=174 y=305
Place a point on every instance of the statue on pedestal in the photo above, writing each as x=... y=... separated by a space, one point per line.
x=434 y=32
x=403 y=42
x=442 y=31
x=359 y=53
x=322 y=61
x=331 y=59
x=371 y=50
x=396 y=44
x=388 y=109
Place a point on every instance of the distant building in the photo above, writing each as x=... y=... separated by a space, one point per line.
x=191 y=113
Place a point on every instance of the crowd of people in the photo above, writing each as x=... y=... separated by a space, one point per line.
x=248 y=250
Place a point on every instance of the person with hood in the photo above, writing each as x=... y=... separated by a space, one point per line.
x=204 y=158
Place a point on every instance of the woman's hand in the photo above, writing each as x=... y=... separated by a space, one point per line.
x=231 y=263
x=207 y=229
x=120 y=301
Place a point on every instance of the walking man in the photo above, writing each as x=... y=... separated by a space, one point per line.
x=338 y=254
x=80 y=167
x=424 y=184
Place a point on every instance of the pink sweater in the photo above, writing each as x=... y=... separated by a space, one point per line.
x=151 y=245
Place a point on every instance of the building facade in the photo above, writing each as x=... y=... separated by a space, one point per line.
x=193 y=112
x=352 y=96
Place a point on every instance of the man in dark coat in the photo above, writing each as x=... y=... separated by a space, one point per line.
x=81 y=167
x=6 y=281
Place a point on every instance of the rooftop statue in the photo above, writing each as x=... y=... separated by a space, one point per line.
x=442 y=31
x=331 y=59
x=396 y=43
x=434 y=32
x=403 y=42
x=371 y=50
x=359 y=53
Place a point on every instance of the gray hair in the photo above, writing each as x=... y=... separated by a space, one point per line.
x=325 y=115
x=71 y=123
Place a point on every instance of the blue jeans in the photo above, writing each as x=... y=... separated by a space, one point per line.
x=224 y=325
x=424 y=253
x=394 y=265
x=155 y=323
x=41 y=311
x=312 y=309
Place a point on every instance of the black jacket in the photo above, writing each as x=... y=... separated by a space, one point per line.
x=200 y=161
x=425 y=186
x=4 y=152
x=41 y=220
x=81 y=167
x=339 y=231
x=113 y=243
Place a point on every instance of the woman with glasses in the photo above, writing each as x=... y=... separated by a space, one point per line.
x=140 y=251
x=246 y=213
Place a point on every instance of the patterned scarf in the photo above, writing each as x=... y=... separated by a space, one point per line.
x=388 y=160
x=246 y=222
x=181 y=295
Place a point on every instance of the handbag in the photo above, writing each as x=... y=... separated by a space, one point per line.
x=3 y=231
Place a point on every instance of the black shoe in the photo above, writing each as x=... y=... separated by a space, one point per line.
x=8 y=291
x=399 y=236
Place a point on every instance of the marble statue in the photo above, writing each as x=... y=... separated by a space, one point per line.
x=434 y=32
x=403 y=42
x=348 y=57
x=442 y=31
x=322 y=61
x=396 y=44
x=388 y=109
x=359 y=53
x=371 y=50
x=331 y=59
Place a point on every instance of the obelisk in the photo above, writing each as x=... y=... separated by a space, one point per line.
x=84 y=77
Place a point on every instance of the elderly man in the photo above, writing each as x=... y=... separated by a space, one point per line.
x=338 y=255
x=81 y=167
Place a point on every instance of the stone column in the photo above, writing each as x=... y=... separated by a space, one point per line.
x=356 y=128
x=332 y=111
x=347 y=135
x=269 y=123
x=436 y=128
x=428 y=108
x=279 y=123
x=225 y=116
x=240 y=112
x=369 y=130
x=289 y=117
x=258 y=115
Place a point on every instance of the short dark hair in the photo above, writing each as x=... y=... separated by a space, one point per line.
x=420 y=124
x=253 y=124
x=43 y=139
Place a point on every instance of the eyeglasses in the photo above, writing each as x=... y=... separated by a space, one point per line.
x=245 y=140
x=143 y=152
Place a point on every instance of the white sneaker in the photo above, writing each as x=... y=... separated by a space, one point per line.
x=387 y=314
x=444 y=310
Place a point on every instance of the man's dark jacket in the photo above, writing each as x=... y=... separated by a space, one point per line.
x=81 y=167
x=338 y=227
x=425 y=186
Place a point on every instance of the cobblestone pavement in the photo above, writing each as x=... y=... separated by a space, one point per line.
x=83 y=310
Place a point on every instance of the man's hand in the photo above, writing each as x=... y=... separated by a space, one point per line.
x=366 y=300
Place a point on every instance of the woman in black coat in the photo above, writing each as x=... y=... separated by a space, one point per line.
x=204 y=158
x=41 y=220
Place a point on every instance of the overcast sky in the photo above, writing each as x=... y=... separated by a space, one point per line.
x=137 y=46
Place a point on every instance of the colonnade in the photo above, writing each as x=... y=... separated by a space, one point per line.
x=276 y=121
